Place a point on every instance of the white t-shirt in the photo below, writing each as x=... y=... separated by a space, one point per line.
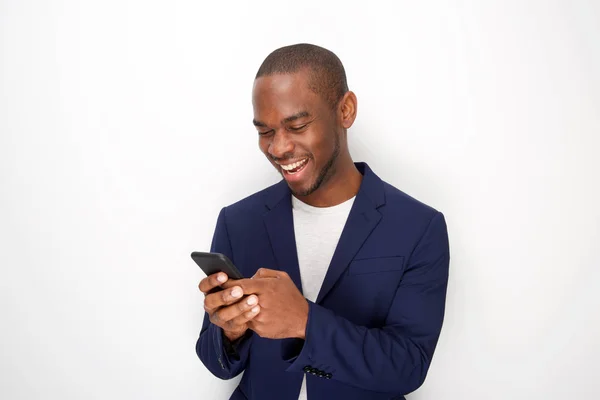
x=317 y=231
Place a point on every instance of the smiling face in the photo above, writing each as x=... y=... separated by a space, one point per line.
x=298 y=131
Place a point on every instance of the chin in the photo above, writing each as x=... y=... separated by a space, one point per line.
x=302 y=190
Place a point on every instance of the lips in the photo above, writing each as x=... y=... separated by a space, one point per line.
x=294 y=167
x=295 y=172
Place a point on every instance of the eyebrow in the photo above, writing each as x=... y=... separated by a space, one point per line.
x=291 y=118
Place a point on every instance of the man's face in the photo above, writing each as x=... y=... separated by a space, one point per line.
x=297 y=130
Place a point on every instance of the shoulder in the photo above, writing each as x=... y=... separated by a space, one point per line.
x=401 y=207
x=398 y=199
x=391 y=201
x=254 y=204
x=412 y=219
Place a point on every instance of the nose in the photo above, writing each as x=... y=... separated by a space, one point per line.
x=281 y=146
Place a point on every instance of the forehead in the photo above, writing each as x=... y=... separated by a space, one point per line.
x=280 y=95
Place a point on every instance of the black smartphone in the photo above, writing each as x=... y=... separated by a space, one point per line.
x=211 y=263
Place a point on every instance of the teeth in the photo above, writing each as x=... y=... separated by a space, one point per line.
x=290 y=167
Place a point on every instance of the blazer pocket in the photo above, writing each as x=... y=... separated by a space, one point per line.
x=377 y=264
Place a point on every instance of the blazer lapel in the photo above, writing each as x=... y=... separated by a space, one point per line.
x=363 y=218
x=361 y=222
x=279 y=223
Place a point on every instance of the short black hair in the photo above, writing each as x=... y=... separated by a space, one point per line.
x=327 y=74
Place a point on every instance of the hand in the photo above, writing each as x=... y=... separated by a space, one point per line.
x=226 y=308
x=283 y=309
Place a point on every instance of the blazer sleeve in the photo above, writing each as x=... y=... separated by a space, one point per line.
x=223 y=359
x=395 y=358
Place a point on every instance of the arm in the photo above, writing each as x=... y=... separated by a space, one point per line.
x=224 y=359
x=395 y=358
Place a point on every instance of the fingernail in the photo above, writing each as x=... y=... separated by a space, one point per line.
x=251 y=300
x=237 y=292
x=221 y=278
x=255 y=310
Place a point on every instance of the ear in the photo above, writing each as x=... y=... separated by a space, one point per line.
x=348 y=108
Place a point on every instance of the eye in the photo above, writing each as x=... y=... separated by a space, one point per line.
x=297 y=128
x=265 y=133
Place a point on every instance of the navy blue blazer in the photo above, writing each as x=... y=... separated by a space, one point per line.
x=376 y=322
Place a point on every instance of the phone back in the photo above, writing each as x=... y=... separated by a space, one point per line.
x=211 y=263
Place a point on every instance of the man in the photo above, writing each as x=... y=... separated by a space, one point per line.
x=349 y=274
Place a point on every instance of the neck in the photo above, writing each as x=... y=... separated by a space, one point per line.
x=341 y=186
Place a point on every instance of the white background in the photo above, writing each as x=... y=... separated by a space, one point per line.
x=126 y=125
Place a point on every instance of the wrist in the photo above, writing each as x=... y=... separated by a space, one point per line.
x=301 y=334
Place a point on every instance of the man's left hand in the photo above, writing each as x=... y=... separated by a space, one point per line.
x=283 y=309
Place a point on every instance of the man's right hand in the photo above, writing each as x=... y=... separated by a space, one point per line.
x=227 y=308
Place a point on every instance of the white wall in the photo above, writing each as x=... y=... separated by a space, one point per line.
x=125 y=127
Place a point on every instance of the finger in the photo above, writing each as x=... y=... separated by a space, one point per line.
x=230 y=283
x=267 y=273
x=222 y=298
x=212 y=281
x=250 y=286
x=260 y=317
x=226 y=314
x=256 y=324
x=246 y=317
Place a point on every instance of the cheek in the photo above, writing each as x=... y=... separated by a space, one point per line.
x=322 y=145
x=263 y=145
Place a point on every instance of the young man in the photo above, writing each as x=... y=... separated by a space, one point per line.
x=349 y=274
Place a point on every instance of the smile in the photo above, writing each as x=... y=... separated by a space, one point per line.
x=294 y=168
